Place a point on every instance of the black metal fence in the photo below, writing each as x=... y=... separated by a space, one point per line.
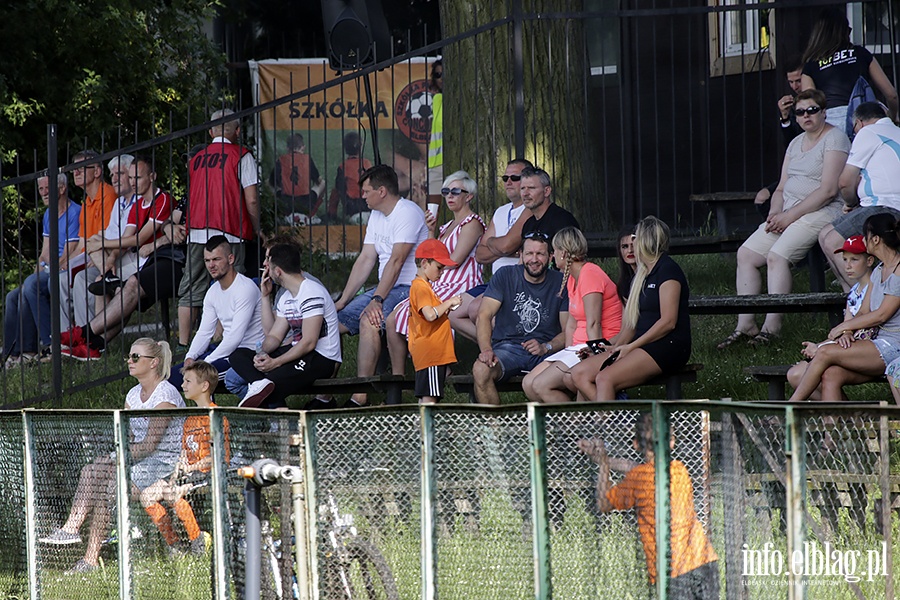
x=630 y=107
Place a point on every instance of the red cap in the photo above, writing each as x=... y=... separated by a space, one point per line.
x=435 y=250
x=854 y=245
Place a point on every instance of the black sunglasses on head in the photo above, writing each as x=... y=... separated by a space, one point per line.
x=536 y=235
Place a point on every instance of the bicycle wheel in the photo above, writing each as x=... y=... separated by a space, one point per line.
x=366 y=575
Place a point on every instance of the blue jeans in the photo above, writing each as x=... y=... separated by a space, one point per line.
x=235 y=384
x=221 y=365
x=349 y=315
x=27 y=318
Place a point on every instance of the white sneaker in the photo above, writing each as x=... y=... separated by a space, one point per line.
x=257 y=392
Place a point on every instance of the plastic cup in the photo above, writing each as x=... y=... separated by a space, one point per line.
x=433 y=209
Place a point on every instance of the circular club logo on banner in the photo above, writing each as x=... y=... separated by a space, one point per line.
x=412 y=111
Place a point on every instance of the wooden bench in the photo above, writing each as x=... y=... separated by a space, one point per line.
x=725 y=203
x=603 y=247
x=831 y=302
x=775 y=378
x=465 y=384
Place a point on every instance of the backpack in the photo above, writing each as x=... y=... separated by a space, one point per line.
x=862 y=92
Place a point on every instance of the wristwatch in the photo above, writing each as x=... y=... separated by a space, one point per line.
x=378 y=299
x=549 y=347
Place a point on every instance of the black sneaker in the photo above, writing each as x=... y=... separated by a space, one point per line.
x=106 y=286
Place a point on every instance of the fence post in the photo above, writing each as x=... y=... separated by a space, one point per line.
x=661 y=453
x=429 y=548
x=217 y=477
x=884 y=477
x=794 y=486
x=30 y=530
x=55 y=356
x=308 y=430
x=120 y=429
x=538 y=433
x=301 y=522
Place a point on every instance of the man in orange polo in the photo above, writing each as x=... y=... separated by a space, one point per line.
x=99 y=199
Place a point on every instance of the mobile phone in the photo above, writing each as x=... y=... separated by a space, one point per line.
x=612 y=358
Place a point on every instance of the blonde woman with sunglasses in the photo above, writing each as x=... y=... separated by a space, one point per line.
x=153 y=453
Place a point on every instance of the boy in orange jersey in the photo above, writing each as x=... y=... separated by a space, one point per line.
x=200 y=380
x=693 y=566
x=430 y=337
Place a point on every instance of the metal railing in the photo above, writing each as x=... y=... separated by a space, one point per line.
x=466 y=502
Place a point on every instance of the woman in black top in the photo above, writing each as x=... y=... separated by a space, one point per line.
x=656 y=329
x=833 y=64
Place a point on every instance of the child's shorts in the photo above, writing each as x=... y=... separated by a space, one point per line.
x=430 y=381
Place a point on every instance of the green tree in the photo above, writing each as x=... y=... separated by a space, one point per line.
x=113 y=67
x=109 y=73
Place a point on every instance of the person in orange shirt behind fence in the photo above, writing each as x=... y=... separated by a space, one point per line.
x=693 y=563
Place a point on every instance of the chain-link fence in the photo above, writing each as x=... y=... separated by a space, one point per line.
x=457 y=502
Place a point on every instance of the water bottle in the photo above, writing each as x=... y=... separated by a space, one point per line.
x=259 y=349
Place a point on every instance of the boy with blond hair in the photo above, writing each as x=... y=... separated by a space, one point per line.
x=200 y=381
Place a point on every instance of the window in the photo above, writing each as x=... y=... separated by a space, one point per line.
x=603 y=39
x=738 y=38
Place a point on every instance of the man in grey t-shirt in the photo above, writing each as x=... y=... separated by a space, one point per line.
x=521 y=320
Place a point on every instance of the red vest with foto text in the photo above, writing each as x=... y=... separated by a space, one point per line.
x=217 y=198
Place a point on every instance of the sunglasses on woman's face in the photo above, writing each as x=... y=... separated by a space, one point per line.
x=453 y=191
x=808 y=111
x=134 y=357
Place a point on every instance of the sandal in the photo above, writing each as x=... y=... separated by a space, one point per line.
x=763 y=338
x=734 y=338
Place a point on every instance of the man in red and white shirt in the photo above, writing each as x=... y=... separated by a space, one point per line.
x=224 y=200
x=161 y=266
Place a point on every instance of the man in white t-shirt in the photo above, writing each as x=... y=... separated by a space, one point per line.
x=396 y=226
x=870 y=181
x=307 y=312
x=499 y=246
x=233 y=301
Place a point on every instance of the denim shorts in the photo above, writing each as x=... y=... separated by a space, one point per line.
x=153 y=468
x=852 y=223
x=349 y=315
x=514 y=359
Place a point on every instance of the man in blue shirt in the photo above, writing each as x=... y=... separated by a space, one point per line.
x=26 y=322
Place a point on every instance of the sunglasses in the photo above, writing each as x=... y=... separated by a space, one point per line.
x=809 y=111
x=506 y=178
x=536 y=235
x=134 y=357
x=453 y=191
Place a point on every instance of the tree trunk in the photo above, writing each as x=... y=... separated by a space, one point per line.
x=479 y=100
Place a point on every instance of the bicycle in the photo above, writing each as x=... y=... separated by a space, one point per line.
x=352 y=568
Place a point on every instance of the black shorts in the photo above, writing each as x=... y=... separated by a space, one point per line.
x=430 y=382
x=159 y=278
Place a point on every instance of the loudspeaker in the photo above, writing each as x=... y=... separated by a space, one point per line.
x=356 y=33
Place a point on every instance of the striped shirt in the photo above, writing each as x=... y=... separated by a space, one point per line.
x=312 y=299
x=453 y=281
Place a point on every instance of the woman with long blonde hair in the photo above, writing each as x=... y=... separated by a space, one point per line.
x=656 y=329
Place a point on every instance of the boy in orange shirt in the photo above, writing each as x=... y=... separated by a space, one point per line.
x=200 y=381
x=693 y=564
x=430 y=337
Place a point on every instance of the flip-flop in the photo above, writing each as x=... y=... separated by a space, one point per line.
x=734 y=338
x=763 y=338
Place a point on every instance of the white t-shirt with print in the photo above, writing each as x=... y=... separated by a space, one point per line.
x=312 y=299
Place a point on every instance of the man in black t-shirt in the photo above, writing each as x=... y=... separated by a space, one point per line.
x=547 y=216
